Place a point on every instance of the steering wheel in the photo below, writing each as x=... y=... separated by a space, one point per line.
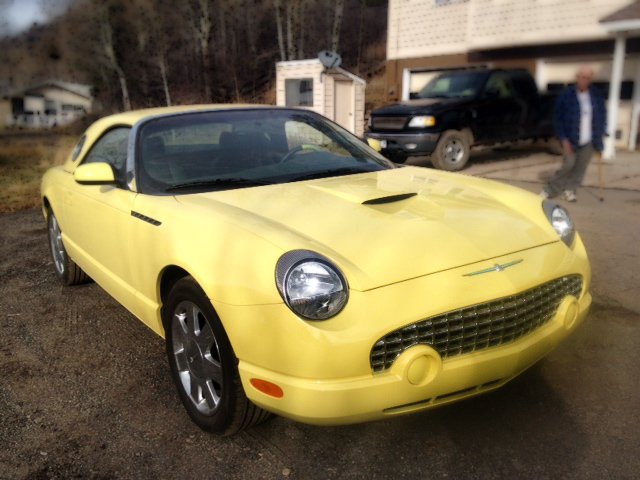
x=305 y=147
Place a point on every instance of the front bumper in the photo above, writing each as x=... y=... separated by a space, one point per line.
x=403 y=144
x=417 y=381
x=324 y=368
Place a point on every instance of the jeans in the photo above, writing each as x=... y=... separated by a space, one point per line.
x=570 y=175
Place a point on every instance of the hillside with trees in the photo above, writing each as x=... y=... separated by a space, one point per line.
x=142 y=53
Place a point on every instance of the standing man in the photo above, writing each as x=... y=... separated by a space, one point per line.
x=580 y=121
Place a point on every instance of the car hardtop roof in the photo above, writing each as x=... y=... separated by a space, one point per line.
x=129 y=119
x=134 y=116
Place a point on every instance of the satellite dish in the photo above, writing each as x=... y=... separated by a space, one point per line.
x=330 y=59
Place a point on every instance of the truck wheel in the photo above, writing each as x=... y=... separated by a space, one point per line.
x=452 y=151
x=397 y=158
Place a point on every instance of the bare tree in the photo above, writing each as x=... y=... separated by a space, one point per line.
x=300 y=26
x=108 y=48
x=278 y=8
x=201 y=25
x=360 y=34
x=152 y=33
x=291 y=48
x=190 y=51
x=337 y=24
x=250 y=19
x=222 y=28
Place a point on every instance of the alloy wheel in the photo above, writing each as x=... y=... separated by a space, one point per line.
x=453 y=151
x=57 y=247
x=197 y=357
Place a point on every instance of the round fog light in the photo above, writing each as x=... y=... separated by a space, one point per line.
x=418 y=370
x=568 y=311
x=419 y=365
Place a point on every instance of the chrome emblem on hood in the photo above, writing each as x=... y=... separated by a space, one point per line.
x=495 y=268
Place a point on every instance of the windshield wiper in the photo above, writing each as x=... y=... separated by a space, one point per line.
x=218 y=182
x=330 y=173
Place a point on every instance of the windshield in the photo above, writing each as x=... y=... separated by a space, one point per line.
x=208 y=151
x=454 y=84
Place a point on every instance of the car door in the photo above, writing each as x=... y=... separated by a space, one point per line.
x=500 y=110
x=526 y=90
x=99 y=225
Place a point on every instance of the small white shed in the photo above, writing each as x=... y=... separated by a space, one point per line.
x=334 y=93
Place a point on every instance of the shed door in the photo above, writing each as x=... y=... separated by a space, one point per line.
x=343 y=104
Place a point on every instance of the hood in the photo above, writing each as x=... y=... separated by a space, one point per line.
x=420 y=106
x=385 y=227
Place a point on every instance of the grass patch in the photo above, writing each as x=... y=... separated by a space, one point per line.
x=24 y=157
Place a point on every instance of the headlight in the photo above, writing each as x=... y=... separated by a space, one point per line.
x=561 y=221
x=422 y=122
x=311 y=285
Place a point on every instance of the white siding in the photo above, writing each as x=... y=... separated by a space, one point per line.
x=499 y=23
x=300 y=69
x=359 y=113
x=328 y=85
x=63 y=97
x=420 y=28
x=424 y=28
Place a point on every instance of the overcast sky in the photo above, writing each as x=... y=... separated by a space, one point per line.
x=19 y=15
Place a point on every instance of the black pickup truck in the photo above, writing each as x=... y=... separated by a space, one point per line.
x=459 y=109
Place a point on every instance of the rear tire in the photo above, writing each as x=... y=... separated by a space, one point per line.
x=66 y=269
x=452 y=151
x=203 y=364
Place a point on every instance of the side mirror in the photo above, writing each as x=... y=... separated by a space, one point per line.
x=94 y=174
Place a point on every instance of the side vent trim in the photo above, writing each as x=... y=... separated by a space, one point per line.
x=144 y=218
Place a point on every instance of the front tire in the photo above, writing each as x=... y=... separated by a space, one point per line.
x=203 y=364
x=66 y=269
x=452 y=151
x=398 y=158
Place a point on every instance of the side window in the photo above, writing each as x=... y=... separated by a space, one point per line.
x=112 y=149
x=299 y=92
x=498 y=86
x=78 y=148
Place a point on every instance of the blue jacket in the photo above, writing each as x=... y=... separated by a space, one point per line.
x=567 y=117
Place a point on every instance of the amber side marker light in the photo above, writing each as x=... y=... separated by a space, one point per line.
x=267 y=388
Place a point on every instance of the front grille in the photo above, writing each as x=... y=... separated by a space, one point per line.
x=388 y=123
x=479 y=326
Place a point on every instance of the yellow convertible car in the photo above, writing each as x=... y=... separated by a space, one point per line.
x=293 y=270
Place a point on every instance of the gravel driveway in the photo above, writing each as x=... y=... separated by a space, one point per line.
x=85 y=391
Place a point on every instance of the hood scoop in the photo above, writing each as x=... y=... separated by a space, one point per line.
x=388 y=199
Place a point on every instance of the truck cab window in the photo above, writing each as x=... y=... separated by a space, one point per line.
x=498 y=86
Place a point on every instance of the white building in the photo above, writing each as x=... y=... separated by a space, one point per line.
x=46 y=105
x=550 y=38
